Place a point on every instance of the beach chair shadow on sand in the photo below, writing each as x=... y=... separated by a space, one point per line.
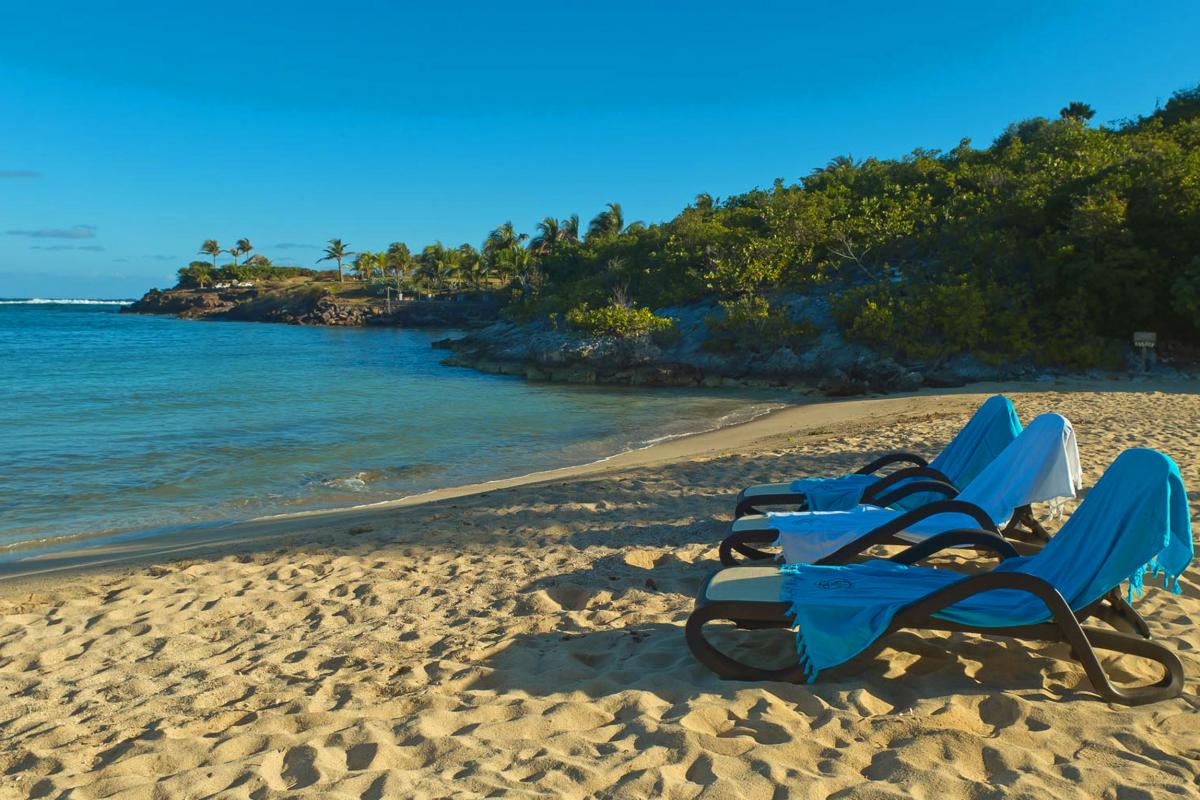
x=1135 y=520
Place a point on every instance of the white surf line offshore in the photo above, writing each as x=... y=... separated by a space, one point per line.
x=64 y=301
x=481 y=486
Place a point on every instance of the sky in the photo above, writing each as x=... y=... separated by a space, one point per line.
x=131 y=132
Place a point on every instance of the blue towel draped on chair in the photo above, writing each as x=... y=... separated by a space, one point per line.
x=1134 y=520
x=987 y=433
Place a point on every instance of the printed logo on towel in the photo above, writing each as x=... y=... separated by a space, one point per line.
x=835 y=583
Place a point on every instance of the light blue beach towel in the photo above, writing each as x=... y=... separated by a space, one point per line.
x=987 y=433
x=1134 y=520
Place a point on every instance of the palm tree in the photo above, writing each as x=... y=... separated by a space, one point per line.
x=198 y=272
x=472 y=267
x=336 y=251
x=243 y=246
x=385 y=261
x=609 y=222
x=549 y=233
x=235 y=251
x=469 y=263
x=398 y=259
x=365 y=264
x=211 y=248
x=449 y=275
x=570 y=229
x=439 y=266
x=503 y=238
x=427 y=261
x=499 y=245
x=478 y=273
x=523 y=265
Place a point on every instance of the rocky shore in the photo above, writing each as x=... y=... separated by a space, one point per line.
x=833 y=368
x=824 y=364
x=548 y=350
x=313 y=306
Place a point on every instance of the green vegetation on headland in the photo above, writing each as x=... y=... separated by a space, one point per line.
x=1052 y=245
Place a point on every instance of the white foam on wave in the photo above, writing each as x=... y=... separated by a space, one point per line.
x=62 y=301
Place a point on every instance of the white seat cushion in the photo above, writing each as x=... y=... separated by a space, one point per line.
x=750 y=584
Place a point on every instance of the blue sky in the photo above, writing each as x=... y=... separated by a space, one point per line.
x=128 y=134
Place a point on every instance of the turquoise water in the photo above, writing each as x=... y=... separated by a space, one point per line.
x=112 y=422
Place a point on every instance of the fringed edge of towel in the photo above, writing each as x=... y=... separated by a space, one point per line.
x=1137 y=581
x=1058 y=507
x=810 y=672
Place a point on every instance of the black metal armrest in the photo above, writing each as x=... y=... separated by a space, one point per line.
x=935 y=601
x=892 y=458
x=916 y=487
x=752 y=504
x=886 y=532
x=962 y=537
x=740 y=542
x=892 y=478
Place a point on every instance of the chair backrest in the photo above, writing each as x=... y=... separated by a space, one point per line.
x=1040 y=464
x=1135 y=518
x=993 y=427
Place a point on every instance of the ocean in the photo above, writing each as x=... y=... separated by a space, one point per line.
x=115 y=424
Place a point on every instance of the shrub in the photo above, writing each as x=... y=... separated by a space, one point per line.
x=618 y=321
x=196 y=274
x=1185 y=293
x=929 y=320
x=751 y=323
x=874 y=323
x=867 y=314
x=261 y=272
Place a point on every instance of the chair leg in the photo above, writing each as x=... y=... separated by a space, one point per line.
x=724 y=666
x=1024 y=524
x=1168 y=686
x=1085 y=639
x=1127 y=613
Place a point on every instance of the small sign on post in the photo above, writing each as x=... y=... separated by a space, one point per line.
x=1144 y=341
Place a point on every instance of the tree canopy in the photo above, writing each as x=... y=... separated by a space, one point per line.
x=1056 y=241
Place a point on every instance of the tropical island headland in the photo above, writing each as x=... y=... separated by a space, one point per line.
x=1042 y=253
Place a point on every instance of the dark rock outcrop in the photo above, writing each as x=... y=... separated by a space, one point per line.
x=188 y=304
x=824 y=362
x=312 y=306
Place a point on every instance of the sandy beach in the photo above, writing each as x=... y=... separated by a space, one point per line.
x=524 y=639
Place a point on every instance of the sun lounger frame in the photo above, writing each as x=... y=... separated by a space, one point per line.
x=920 y=469
x=1023 y=528
x=1065 y=624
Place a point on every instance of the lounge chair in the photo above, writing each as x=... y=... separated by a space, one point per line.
x=984 y=436
x=1039 y=465
x=1135 y=520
